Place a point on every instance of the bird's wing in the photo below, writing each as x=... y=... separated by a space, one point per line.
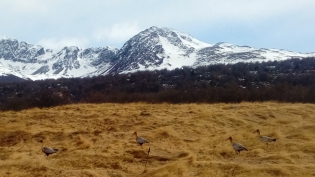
x=49 y=150
x=267 y=139
x=239 y=147
x=142 y=140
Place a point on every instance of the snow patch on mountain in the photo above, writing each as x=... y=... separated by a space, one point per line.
x=5 y=70
x=173 y=55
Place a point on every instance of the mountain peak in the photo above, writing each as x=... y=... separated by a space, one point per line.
x=153 y=48
x=154 y=28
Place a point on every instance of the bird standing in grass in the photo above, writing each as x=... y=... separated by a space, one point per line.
x=237 y=146
x=265 y=139
x=140 y=140
x=48 y=150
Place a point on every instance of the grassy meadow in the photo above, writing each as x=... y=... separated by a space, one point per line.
x=185 y=140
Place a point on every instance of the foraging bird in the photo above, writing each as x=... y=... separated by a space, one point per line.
x=140 y=140
x=48 y=150
x=265 y=139
x=237 y=146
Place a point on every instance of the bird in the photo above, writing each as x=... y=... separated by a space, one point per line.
x=49 y=150
x=140 y=140
x=237 y=146
x=265 y=139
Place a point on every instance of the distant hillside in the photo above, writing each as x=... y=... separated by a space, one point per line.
x=10 y=78
x=284 y=81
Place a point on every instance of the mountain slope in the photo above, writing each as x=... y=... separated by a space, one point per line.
x=153 y=48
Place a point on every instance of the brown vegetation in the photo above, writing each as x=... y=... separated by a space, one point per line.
x=185 y=140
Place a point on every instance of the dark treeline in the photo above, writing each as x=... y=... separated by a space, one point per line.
x=291 y=80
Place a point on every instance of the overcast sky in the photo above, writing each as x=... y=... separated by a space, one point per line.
x=282 y=24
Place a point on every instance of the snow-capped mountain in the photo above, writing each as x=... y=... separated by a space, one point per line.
x=153 y=48
x=229 y=53
x=34 y=62
x=158 y=48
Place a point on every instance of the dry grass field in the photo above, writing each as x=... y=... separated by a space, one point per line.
x=186 y=140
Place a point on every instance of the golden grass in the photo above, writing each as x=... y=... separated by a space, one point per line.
x=186 y=140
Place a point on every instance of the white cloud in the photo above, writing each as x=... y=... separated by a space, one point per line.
x=22 y=6
x=56 y=44
x=112 y=23
x=116 y=34
x=119 y=32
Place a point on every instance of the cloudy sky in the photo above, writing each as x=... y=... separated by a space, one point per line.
x=282 y=24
